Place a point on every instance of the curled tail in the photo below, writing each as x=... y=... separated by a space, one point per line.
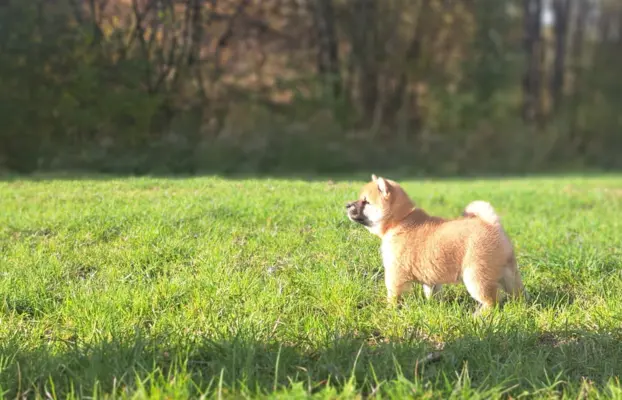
x=482 y=210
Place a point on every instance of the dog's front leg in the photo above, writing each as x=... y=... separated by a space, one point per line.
x=395 y=286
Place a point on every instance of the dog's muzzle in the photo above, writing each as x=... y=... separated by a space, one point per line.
x=355 y=213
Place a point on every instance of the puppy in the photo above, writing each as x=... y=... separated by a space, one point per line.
x=417 y=247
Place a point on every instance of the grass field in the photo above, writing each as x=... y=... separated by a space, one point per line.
x=173 y=288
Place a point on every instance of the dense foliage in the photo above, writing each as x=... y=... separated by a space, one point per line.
x=266 y=85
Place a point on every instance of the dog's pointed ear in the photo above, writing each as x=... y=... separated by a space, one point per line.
x=374 y=177
x=383 y=186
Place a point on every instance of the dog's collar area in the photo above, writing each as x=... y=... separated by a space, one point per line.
x=392 y=229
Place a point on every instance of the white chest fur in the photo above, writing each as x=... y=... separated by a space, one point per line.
x=388 y=255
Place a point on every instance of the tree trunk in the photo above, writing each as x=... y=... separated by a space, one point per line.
x=533 y=52
x=578 y=38
x=560 y=10
x=365 y=47
x=398 y=95
x=328 y=45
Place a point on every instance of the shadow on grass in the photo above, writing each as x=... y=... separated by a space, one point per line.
x=516 y=361
x=550 y=297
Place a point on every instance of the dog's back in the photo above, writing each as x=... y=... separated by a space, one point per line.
x=473 y=248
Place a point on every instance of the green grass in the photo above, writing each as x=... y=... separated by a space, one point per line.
x=241 y=288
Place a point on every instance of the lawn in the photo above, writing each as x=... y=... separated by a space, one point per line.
x=174 y=288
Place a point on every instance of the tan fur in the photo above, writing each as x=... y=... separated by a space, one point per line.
x=419 y=248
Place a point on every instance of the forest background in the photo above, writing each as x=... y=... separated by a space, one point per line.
x=279 y=86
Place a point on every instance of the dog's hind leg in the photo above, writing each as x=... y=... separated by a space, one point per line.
x=481 y=288
x=511 y=281
x=430 y=290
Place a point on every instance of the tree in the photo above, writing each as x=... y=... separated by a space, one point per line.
x=532 y=14
x=365 y=51
x=328 y=45
x=561 y=12
x=489 y=65
x=581 y=9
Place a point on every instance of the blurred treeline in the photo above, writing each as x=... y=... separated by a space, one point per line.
x=441 y=86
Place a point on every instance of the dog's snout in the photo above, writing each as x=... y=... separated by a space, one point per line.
x=350 y=204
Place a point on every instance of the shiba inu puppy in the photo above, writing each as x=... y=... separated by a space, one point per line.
x=420 y=248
